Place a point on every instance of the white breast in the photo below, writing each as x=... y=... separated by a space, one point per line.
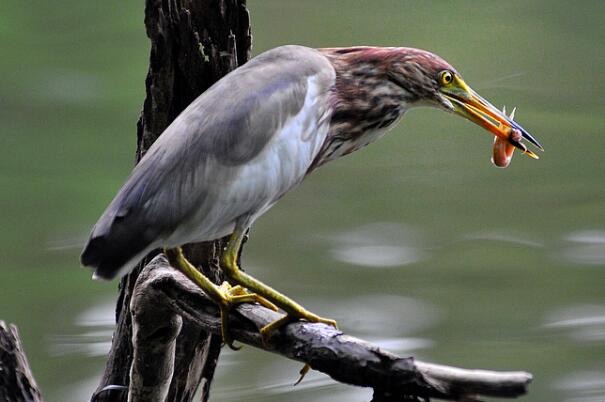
x=260 y=182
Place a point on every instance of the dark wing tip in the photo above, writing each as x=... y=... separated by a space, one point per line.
x=93 y=256
x=106 y=259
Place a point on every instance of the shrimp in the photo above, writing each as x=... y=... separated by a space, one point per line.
x=503 y=149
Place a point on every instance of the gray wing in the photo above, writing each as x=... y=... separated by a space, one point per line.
x=229 y=125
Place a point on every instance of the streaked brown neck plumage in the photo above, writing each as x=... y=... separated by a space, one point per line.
x=367 y=97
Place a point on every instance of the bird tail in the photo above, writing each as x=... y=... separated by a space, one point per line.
x=112 y=254
x=122 y=236
x=136 y=221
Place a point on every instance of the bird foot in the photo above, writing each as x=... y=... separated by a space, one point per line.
x=232 y=296
x=268 y=330
x=238 y=295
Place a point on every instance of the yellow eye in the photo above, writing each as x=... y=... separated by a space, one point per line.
x=446 y=77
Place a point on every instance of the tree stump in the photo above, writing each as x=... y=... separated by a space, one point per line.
x=193 y=44
x=17 y=384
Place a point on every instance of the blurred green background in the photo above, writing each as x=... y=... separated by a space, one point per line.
x=417 y=242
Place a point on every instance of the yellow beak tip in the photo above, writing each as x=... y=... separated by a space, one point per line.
x=531 y=154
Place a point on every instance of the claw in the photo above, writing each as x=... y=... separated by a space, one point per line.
x=227 y=340
x=329 y=322
x=303 y=372
x=266 y=303
x=238 y=295
x=268 y=330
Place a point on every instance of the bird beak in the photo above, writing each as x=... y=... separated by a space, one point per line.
x=468 y=104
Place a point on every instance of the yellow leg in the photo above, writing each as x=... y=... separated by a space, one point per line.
x=225 y=296
x=292 y=309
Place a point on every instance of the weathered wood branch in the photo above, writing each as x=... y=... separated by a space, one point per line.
x=193 y=44
x=163 y=297
x=17 y=384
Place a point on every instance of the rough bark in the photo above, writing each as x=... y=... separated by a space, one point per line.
x=163 y=297
x=193 y=44
x=17 y=384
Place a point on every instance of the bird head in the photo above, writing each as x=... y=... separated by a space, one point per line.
x=433 y=82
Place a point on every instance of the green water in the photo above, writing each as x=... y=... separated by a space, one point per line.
x=416 y=242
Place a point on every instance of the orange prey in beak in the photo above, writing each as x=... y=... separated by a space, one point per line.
x=468 y=104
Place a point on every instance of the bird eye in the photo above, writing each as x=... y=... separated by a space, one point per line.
x=446 y=77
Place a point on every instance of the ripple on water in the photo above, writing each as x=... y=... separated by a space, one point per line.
x=582 y=323
x=583 y=386
x=402 y=345
x=273 y=380
x=93 y=329
x=80 y=390
x=378 y=245
x=503 y=236
x=314 y=384
x=586 y=247
x=390 y=316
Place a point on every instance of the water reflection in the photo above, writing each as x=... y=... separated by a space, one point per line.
x=582 y=323
x=583 y=386
x=402 y=345
x=503 y=236
x=388 y=315
x=271 y=378
x=378 y=245
x=93 y=329
x=315 y=383
x=266 y=377
x=78 y=391
x=585 y=247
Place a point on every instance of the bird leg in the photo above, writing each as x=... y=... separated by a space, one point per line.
x=225 y=296
x=293 y=310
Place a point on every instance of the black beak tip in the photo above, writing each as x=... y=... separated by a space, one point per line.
x=528 y=136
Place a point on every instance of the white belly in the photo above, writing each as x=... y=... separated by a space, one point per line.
x=260 y=182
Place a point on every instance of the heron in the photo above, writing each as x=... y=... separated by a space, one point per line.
x=255 y=135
